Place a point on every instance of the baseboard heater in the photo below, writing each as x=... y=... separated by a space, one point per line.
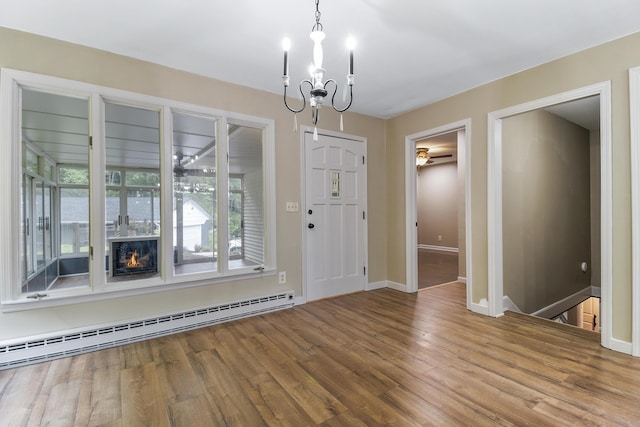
x=58 y=346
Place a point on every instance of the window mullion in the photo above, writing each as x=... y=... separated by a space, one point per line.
x=97 y=193
x=269 y=191
x=10 y=174
x=166 y=195
x=222 y=177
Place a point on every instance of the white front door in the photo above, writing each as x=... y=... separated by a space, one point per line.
x=334 y=215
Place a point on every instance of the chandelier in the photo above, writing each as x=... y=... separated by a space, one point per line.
x=317 y=87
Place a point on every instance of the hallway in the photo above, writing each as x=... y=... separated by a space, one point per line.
x=436 y=267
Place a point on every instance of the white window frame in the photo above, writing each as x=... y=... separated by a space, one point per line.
x=11 y=299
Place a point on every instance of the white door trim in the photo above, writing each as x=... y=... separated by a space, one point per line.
x=303 y=208
x=634 y=114
x=411 y=213
x=495 y=250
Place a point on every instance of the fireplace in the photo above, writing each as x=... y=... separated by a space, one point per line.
x=134 y=255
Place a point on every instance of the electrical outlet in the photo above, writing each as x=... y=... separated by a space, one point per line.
x=439 y=237
x=282 y=277
x=292 y=207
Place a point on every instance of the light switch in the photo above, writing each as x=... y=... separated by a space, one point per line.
x=292 y=207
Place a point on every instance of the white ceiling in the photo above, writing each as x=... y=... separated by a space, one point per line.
x=410 y=52
x=584 y=112
x=441 y=145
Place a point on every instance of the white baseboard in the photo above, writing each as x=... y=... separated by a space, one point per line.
x=375 y=285
x=438 y=248
x=508 y=304
x=479 y=308
x=396 y=286
x=564 y=304
x=621 y=346
x=462 y=279
x=299 y=300
x=29 y=350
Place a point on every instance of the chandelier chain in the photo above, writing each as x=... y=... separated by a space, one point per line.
x=318 y=26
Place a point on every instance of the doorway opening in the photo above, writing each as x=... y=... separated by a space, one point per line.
x=462 y=132
x=550 y=205
x=551 y=209
x=437 y=209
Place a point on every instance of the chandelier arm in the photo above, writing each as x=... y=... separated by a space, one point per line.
x=304 y=100
x=335 y=90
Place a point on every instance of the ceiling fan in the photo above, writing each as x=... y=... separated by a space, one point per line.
x=423 y=157
x=186 y=166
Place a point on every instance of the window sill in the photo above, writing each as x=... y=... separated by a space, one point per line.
x=85 y=294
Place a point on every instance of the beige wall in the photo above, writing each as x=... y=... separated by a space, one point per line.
x=437 y=203
x=545 y=209
x=32 y=53
x=610 y=61
x=386 y=139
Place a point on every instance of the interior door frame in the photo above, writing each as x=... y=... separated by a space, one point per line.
x=495 y=249
x=634 y=115
x=411 y=214
x=365 y=233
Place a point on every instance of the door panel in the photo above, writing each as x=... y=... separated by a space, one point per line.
x=334 y=215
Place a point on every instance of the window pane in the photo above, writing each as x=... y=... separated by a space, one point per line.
x=112 y=177
x=31 y=161
x=39 y=233
x=246 y=214
x=74 y=221
x=194 y=195
x=147 y=179
x=47 y=171
x=112 y=215
x=26 y=242
x=143 y=211
x=132 y=147
x=55 y=135
x=47 y=228
x=73 y=175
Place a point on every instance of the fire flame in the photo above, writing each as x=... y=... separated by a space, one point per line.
x=133 y=261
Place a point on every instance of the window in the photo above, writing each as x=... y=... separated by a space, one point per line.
x=245 y=199
x=132 y=197
x=73 y=186
x=195 y=229
x=126 y=197
x=54 y=129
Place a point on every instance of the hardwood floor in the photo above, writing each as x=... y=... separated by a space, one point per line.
x=436 y=267
x=376 y=358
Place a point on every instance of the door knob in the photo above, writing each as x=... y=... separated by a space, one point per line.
x=311 y=225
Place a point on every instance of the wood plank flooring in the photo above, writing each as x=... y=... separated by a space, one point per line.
x=436 y=267
x=376 y=358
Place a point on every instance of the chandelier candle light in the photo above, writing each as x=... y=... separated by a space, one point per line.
x=318 y=89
